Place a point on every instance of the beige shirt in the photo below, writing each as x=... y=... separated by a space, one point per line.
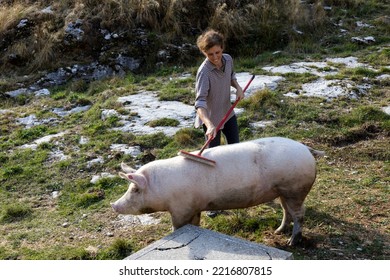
x=213 y=89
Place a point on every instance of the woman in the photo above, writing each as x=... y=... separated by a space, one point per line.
x=214 y=78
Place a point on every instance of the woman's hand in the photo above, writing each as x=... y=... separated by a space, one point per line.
x=211 y=132
x=239 y=93
x=204 y=116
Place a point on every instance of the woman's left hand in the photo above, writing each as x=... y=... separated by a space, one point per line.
x=239 y=93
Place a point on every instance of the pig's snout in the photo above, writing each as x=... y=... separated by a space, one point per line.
x=115 y=207
x=122 y=207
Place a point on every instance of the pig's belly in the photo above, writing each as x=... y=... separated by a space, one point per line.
x=241 y=198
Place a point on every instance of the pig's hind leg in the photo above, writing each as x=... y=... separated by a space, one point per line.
x=287 y=219
x=293 y=211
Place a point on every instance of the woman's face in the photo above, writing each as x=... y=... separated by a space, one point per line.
x=214 y=55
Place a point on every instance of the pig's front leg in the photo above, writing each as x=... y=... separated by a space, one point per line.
x=179 y=220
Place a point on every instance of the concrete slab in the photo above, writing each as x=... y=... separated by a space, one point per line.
x=195 y=243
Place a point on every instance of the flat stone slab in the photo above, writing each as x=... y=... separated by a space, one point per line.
x=195 y=243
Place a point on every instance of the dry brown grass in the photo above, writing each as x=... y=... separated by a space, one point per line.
x=11 y=15
x=147 y=12
x=254 y=25
x=229 y=21
x=44 y=48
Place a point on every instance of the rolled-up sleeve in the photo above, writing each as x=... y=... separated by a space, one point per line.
x=233 y=76
x=202 y=87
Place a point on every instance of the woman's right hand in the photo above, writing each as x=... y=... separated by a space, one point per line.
x=211 y=131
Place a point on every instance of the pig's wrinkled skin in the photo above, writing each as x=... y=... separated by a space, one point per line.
x=246 y=174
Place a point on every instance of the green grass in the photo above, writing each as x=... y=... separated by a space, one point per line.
x=164 y=122
x=364 y=114
x=178 y=90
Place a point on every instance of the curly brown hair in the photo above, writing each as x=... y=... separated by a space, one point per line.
x=209 y=39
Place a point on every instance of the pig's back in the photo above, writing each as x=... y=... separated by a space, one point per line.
x=261 y=164
x=275 y=153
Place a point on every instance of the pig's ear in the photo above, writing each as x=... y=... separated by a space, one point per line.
x=137 y=179
x=123 y=175
x=126 y=168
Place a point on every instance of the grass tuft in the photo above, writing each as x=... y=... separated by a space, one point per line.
x=164 y=122
x=362 y=114
x=90 y=197
x=15 y=213
x=119 y=249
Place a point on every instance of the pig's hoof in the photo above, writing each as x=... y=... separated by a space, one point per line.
x=213 y=214
x=283 y=229
x=280 y=230
x=294 y=240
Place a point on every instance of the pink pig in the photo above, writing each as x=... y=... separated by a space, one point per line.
x=246 y=174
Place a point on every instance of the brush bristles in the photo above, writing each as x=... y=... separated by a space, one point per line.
x=196 y=158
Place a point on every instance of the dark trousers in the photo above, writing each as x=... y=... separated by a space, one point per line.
x=230 y=130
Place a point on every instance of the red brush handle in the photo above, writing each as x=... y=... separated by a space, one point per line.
x=222 y=122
